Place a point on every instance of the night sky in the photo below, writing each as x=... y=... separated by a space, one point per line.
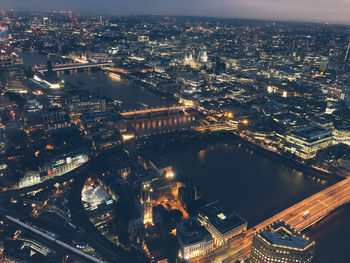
x=297 y=10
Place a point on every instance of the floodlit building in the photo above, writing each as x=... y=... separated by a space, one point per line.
x=342 y=134
x=30 y=178
x=202 y=56
x=221 y=223
x=66 y=163
x=194 y=239
x=306 y=142
x=281 y=243
x=146 y=203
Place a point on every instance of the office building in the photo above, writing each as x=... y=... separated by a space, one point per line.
x=280 y=243
x=306 y=142
x=66 y=163
x=194 y=239
x=221 y=223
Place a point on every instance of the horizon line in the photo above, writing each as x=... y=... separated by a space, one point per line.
x=84 y=12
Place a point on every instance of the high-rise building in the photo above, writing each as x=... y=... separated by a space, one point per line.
x=347 y=53
x=279 y=242
x=306 y=142
x=49 y=68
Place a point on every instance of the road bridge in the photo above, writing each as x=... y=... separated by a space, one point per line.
x=299 y=216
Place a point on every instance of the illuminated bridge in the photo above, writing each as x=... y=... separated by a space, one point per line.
x=299 y=216
x=71 y=66
x=155 y=110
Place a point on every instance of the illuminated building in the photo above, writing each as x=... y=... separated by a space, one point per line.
x=202 y=56
x=124 y=172
x=66 y=163
x=188 y=59
x=162 y=167
x=305 y=142
x=194 y=239
x=45 y=83
x=280 y=243
x=90 y=105
x=143 y=38
x=221 y=223
x=342 y=134
x=30 y=178
x=3 y=33
x=146 y=202
x=347 y=53
x=160 y=188
x=98 y=56
x=93 y=196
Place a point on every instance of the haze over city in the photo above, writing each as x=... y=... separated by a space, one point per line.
x=332 y=11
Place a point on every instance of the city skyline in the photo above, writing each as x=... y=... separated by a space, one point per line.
x=158 y=138
x=323 y=11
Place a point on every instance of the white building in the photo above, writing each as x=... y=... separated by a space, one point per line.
x=194 y=239
x=30 y=178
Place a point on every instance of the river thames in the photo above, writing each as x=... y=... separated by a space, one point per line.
x=248 y=183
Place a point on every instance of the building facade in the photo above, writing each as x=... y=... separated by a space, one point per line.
x=306 y=142
x=344 y=167
x=194 y=239
x=280 y=243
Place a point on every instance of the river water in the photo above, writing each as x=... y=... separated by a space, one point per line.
x=98 y=82
x=250 y=184
x=245 y=182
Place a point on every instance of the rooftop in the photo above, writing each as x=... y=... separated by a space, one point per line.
x=281 y=234
x=222 y=219
x=190 y=232
x=311 y=133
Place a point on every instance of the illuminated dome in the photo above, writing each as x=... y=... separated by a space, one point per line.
x=94 y=195
x=202 y=56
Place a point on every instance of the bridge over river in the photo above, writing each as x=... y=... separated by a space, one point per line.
x=299 y=216
x=154 y=110
x=72 y=66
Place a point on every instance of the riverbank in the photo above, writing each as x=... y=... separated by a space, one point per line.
x=144 y=85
